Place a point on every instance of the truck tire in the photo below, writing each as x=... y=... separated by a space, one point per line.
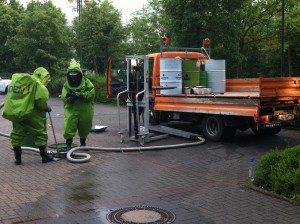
x=213 y=127
x=267 y=131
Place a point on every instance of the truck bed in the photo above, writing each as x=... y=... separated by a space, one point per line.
x=243 y=97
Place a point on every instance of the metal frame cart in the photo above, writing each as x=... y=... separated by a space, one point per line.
x=137 y=101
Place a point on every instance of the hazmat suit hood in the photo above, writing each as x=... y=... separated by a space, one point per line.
x=74 y=76
x=42 y=75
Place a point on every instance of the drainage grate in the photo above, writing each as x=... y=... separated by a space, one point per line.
x=141 y=214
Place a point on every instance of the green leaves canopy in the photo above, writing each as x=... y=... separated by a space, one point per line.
x=42 y=38
x=246 y=33
x=8 y=22
x=99 y=33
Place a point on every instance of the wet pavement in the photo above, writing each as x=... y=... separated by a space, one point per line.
x=200 y=184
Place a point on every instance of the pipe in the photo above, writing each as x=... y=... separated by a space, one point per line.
x=128 y=149
x=84 y=157
x=5 y=135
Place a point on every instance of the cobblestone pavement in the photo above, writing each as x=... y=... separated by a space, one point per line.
x=199 y=184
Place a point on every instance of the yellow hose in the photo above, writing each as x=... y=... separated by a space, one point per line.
x=205 y=52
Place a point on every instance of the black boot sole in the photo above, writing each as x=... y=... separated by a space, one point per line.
x=18 y=162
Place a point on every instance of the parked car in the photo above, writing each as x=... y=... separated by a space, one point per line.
x=4 y=83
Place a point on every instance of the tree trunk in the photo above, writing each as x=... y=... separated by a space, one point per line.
x=240 y=65
x=95 y=65
x=290 y=62
x=49 y=67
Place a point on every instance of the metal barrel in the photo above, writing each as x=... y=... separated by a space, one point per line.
x=216 y=79
x=171 y=75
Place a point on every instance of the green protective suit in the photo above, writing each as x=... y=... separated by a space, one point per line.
x=78 y=113
x=33 y=123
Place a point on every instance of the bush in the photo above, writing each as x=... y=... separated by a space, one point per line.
x=55 y=86
x=279 y=171
x=100 y=88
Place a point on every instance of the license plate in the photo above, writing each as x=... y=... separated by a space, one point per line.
x=286 y=117
x=272 y=125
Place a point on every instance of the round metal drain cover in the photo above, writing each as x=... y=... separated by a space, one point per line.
x=141 y=214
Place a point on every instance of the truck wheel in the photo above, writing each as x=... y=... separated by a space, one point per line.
x=213 y=127
x=267 y=131
x=5 y=91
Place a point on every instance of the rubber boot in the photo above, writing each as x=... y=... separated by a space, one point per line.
x=82 y=142
x=18 y=154
x=45 y=157
x=69 y=143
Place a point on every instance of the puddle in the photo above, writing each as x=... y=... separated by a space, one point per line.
x=102 y=215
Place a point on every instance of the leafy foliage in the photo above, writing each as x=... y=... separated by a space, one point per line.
x=246 y=33
x=42 y=38
x=144 y=30
x=100 y=88
x=56 y=84
x=99 y=34
x=280 y=171
x=9 y=20
x=193 y=21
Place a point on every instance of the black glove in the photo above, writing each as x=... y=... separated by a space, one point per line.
x=79 y=95
x=48 y=108
x=71 y=97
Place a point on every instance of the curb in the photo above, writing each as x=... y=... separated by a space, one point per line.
x=273 y=194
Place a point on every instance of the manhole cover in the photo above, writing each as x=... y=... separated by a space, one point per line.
x=141 y=214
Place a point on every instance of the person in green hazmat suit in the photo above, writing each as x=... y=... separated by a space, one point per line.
x=78 y=94
x=25 y=105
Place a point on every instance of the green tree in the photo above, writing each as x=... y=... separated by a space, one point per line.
x=260 y=42
x=292 y=33
x=145 y=29
x=189 y=22
x=99 y=34
x=42 y=38
x=9 y=17
x=259 y=38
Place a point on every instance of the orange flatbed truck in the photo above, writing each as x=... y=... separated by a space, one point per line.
x=261 y=104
